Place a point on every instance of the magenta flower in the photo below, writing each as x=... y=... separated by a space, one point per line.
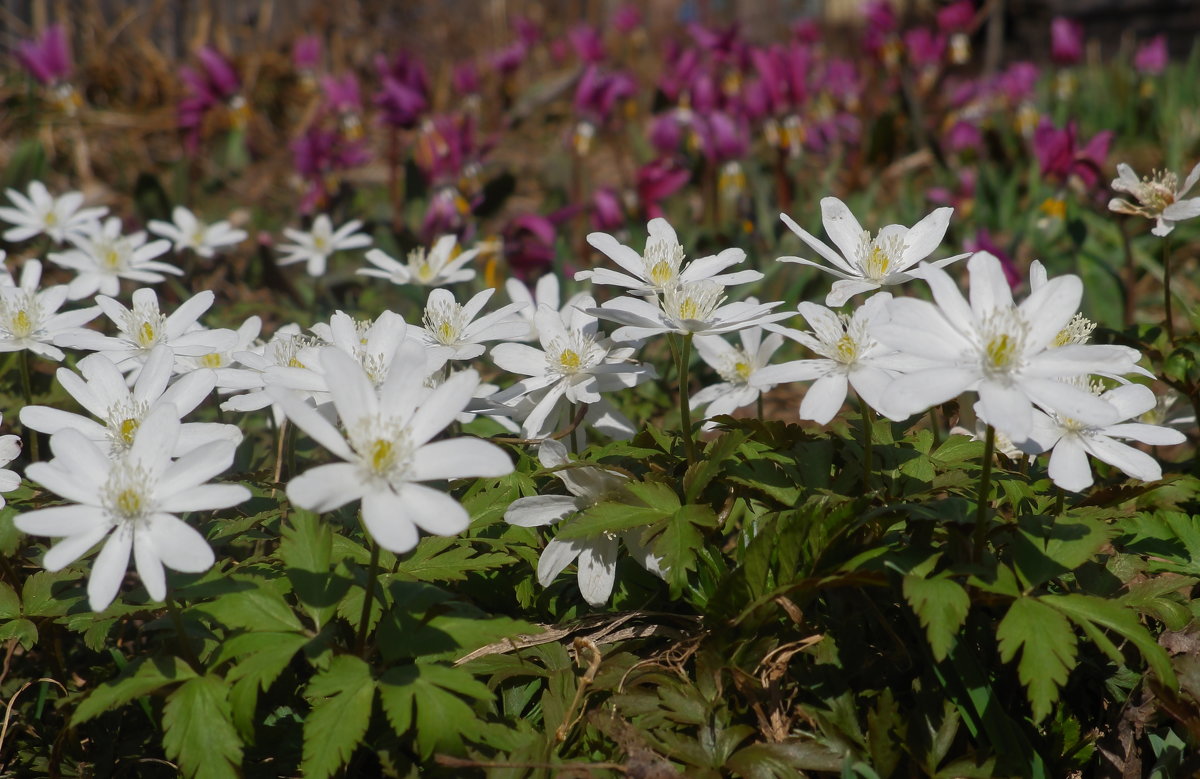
x=608 y=215
x=956 y=17
x=404 y=92
x=445 y=215
x=529 y=245
x=527 y=30
x=657 y=181
x=1060 y=154
x=506 y=61
x=320 y=156
x=807 y=30
x=722 y=138
x=982 y=242
x=963 y=135
x=925 y=48
x=342 y=93
x=48 y=58
x=1066 y=40
x=1018 y=82
x=598 y=93
x=588 y=44
x=666 y=130
x=445 y=147
x=213 y=85
x=627 y=18
x=1151 y=57
x=881 y=25
x=306 y=53
x=465 y=79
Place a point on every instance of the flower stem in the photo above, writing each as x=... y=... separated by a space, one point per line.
x=1060 y=500
x=758 y=405
x=27 y=389
x=935 y=427
x=868 y=423
x=1168 y=315
x=985 y=490
x=685 y=402
x=360 y=643
x=185 y=646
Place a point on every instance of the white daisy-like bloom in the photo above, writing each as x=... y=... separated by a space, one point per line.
x=574 y=365
x=597 y=556
x=143 y=327
x=283 y=350
x=315 y=247
x=434 y=268
x=545 y=292
x=867 y=263
x=102 y=257
x=848 y=356
x=186 y=231
x=1070 y=441
x=130 y=502
x=387 y=449
x=452 y=327
x=660 y=267
x=739 y=368
x=40 y=213
x=1001 y=350
x=695 y=308
x=29 y=318
x=1000 y=442
x=10 y=449
x=103 y=392
x=1170 y=410
x=1158 y=197
x=230 y=378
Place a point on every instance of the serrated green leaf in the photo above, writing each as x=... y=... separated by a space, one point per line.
x=141 y=677
x=700 y=474
x=264 y=655
x=942 y=605
x=676 y=548
x=609 y=517
x=956 y=449
x=1047 y=644
x=23 y=630
x=425 y=695
x=341 y=711
x=447 y=560
x=10 y=602
x=306 y=549
x=654 y=494
x=1119 y=618
x=198 y=732
x=260 y=608
x=37 y=597
x=1046 y=547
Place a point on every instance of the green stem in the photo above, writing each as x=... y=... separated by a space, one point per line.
x=685 y=402
x=360 y=643
x=27 y=388
x=574 y=429
x=185 y=646
x=758 y=404
x=1167 y=313
x=1060 y=500
x=935 y=427
x=868 y=423
x=985 y=490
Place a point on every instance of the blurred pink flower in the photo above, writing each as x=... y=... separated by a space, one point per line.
x=586 y=41
x=806 y=30
x=956 y=17
x=506 y=61
x=982 y=242
x=598 y=93
x=881 y=24
x=721 y=137
x=466 y=79
x=1018 y=82
x=47 y=58
x=627 y=18
x=963 y=135
x=1151 y=57
x=214 y=84
x=608 y=215
x=527 y=30
x=529 y=245
x=320 y=156
x=404 y=90
x=1066 y=40
x=445 y=146
x=306 y=52
x=342 y=93
x=1060 y=154
x=657 y=181
x=925 y=47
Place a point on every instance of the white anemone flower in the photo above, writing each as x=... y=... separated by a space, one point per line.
x=283 y=350
x=1001 y=350
x=387 y=449
x=867 y=263
x=103 y=392
x=574 y=365
x=187 y=231
x=1158 y=197
x=230 y=378
x=1070 y=441
x=102 y=257
x=132 y=501
x=695 y=308
x=315 y=247
x=597 y=556
x=143 y=327
x=739 y=367
x=545 y=292
x=10 y=449
x=848 y=356
x=660 y=267
x=29 y=319
x=453 y=328
x=40 y=213
x=435 y=268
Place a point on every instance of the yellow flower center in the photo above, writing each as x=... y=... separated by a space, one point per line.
x=1001 y=351
x=128 y=502
x=112 y=259
x=22 y=325
x=213 y=360
x=146 y=334
x=569 y=360
x=846 y=349
x=128 y=428
x=382 y=455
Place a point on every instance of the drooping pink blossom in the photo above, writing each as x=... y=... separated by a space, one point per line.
x=48 y=57
x=403 y=95
x=1066 y=41
x=1152 y=56
x=1060 y=153
x=657 y=181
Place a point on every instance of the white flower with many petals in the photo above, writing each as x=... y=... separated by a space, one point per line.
x=230 y=378
x=1158 y=197
x=282 y=351
x=40 y=213
x=739 y=368
x=453 y=328
x=660 y=267
x=597 y=556
x=544 y=293
x=574 y=365
x=102 y=257
x=695 y=308
x=435 y=268
x=143 y=327
x=131 y=501
x=186 y=231
x=848 y=357
x=867 y=263
x=315 y=247
x=104 y=393
x=1001 y=350
x=29 y=319
x=10 y=449
x=387 y=449
x=1070 y=441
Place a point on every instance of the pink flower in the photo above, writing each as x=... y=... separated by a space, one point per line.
x=48 y=58
x=404 y=93
x=1151 y=57
x=342 y=93
x=963 y=135
x=529 y=245
x=627 y=18
x=982 y=242
x=1018 y=82
x=214 y=84
x=956 y=17
x=1066 y=40
x=1060 y=154
x=466 y=79
x=320 y=156
x=599 y=92
x=306 y=52
x=925 y=47
x=657 y=181
x=587 y=43
x=608 y=215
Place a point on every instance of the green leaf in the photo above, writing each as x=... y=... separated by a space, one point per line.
x=10 y=602
x=1119 y=618
x=264 y=655
x=1047 y=644
x=942 y=605
x=956 y=449
x=431 y=693
x=23 y=630
x=1048 y=547
x=341 y=712
x=679 y=542
x=700 y=474
x=260 y=608
x=198 y=732
x=609 y=517
x=141 y=677
x=37 y=594
x=306 y=549
x=447 y=560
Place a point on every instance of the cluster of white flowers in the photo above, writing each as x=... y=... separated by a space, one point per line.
x=380 y=394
